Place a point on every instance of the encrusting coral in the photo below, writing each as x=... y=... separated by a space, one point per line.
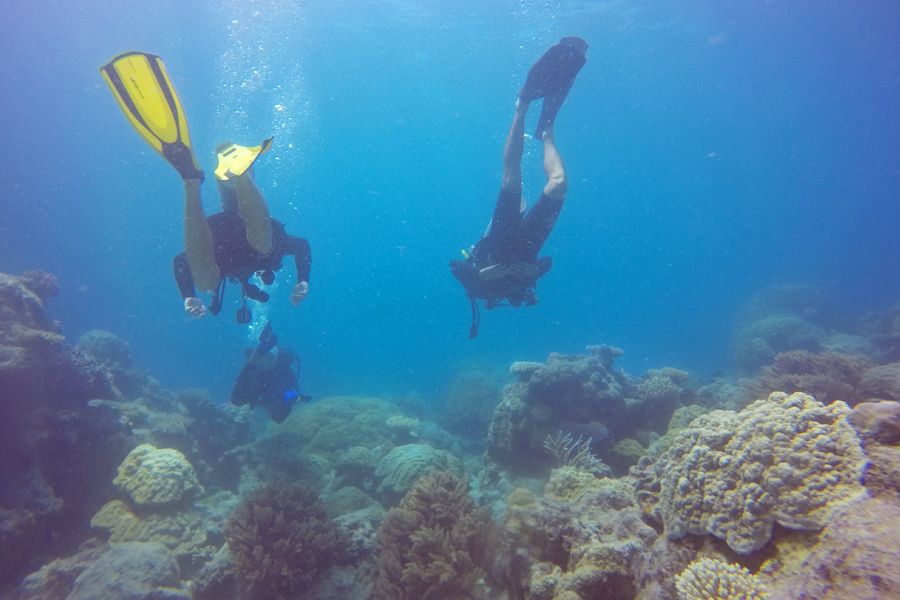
x=711 y=579
x=156 y=477
x=787 y=459
x=281 y=538
x=432 y=546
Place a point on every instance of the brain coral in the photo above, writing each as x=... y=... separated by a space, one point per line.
x=711 y=579
x=787 y=459
x=156 y=477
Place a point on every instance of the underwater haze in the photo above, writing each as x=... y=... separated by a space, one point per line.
x=704 y=404
x=712 y=148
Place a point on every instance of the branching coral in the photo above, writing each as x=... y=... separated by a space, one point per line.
x=711 y=579
x=432 y=546
x=280 y=539
x=574 y=452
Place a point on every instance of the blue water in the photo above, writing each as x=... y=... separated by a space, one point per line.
x=713 y=148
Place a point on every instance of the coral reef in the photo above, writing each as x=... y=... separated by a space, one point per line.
x=787 y=459
x=877 y=420
x=54 y=581
x=56 y=453
x=432 y=545
x=827 y=376
x=470 y=402
x=182 y=531
x=280 y=539
x=586 y=396
x=330 y=426
x=106 y=348
x=711 y=579
x=154 y=477
x=856 y=557
x=882 y=382
x=582 y=539
x=131 y=571
x=404 y=465
x=582 y=394
x=759 y=342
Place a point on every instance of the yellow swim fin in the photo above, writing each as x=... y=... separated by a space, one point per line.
x=234 y=160
x=145 y=94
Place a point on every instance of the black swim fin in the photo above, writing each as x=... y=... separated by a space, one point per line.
x=552 y=76
x=267 y=340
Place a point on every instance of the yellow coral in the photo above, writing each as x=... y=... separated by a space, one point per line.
x=787 y=459
x=156 y=477
x=711 y=579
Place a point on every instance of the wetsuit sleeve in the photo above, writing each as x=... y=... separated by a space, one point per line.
x=299 y=248
x=183 y=276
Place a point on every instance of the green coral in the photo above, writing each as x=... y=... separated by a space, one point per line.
x=280 y=539
x=154 y=477
x=711 y=579
x=432 y=545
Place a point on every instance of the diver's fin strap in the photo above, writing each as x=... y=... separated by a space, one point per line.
x=234 y=160
x=216 y=305
x=476 y=317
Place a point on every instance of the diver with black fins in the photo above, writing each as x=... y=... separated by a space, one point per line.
x=236 y=243
x=268 y=378
x=503 y=267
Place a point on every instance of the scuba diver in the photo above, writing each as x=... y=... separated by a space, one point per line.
x=236 y=243
x=503 y=267
x=268 y=379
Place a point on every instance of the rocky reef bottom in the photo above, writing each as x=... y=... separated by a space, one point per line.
x=581 y=481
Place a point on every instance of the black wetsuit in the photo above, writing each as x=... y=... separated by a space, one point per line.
x=238 y=260
x=513 y=237
x=274 y=388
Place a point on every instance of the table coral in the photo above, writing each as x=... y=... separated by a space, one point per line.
x=152 y=476
x=711 y=579
x=787 y=459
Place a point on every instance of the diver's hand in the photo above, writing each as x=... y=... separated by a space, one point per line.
x=298 y=294
x=194 y=307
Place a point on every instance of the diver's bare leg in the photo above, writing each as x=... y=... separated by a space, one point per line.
x=513 y=149
x=253 y=210
x=198 y=240
x=557 y=183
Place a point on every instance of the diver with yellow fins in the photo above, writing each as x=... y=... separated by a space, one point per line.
x=236 y=243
